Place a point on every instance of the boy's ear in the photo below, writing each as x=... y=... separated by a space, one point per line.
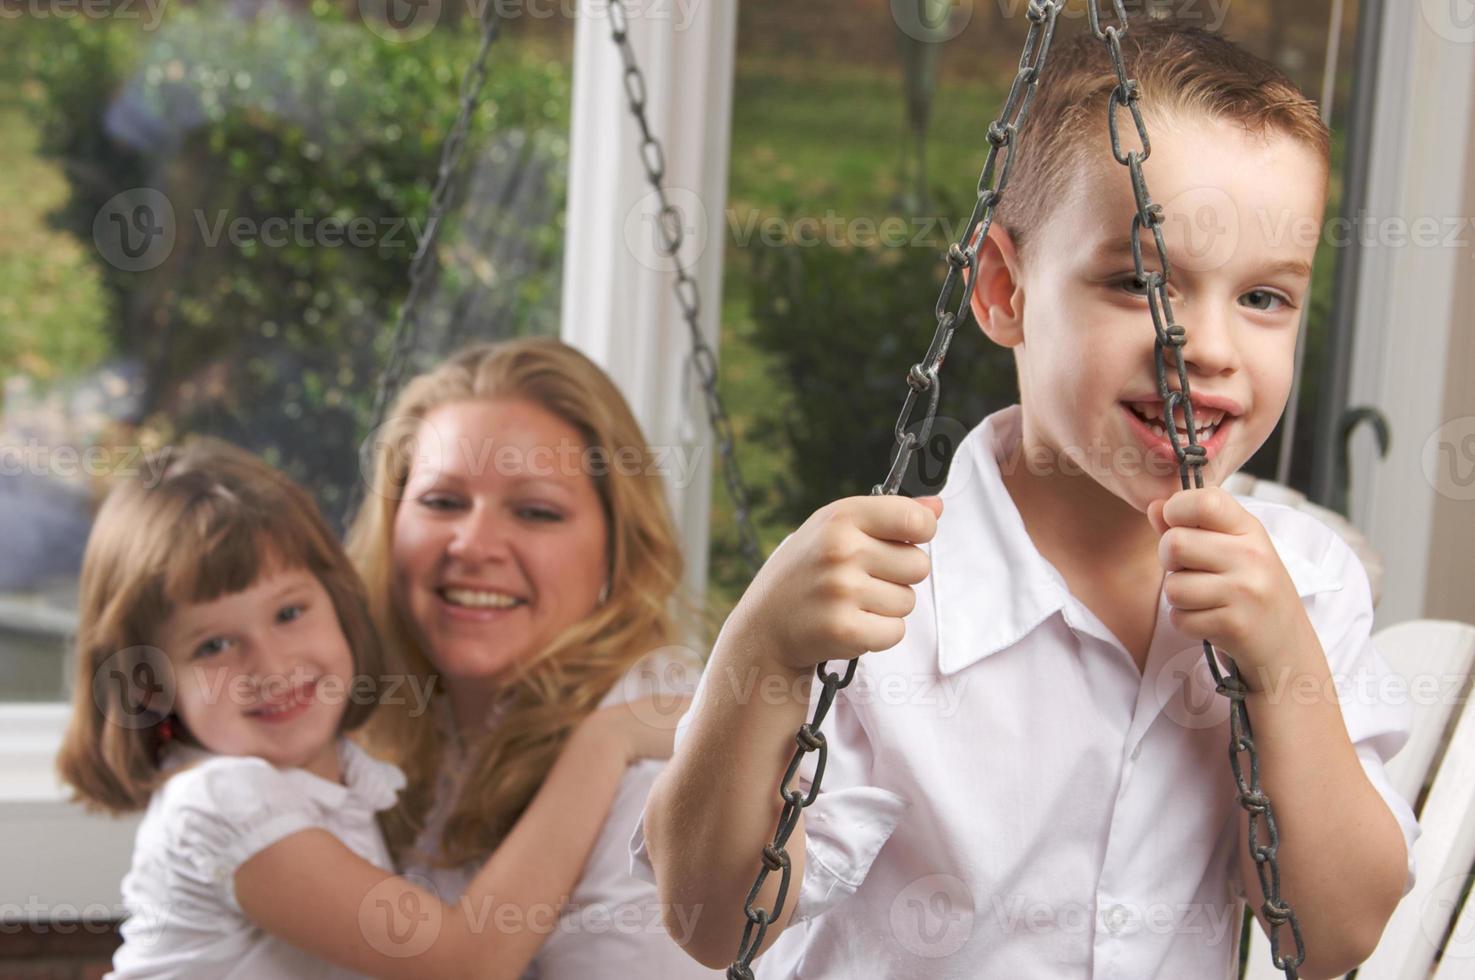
x=998 y=300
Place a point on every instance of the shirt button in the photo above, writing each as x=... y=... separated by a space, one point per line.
x=1117 y=918
x=1137 y=752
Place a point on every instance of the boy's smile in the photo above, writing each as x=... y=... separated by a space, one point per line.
x=1083 y=337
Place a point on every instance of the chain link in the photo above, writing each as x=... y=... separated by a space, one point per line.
x=672 y=235
x=407 y=323
x=1278 y=913
x=952 y=310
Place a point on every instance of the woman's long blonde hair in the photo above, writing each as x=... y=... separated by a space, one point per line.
x=558 y=686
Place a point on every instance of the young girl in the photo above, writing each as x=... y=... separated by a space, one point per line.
x=224 y=650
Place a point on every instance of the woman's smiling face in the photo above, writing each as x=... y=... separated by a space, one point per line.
x=499 y=542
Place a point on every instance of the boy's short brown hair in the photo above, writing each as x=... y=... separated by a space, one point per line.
x=202 y=520
x=1179 y=69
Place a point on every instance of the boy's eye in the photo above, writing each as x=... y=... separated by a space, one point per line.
x=1133 y=285
x=288 y=613
x=1257 y=296
x=212 y=646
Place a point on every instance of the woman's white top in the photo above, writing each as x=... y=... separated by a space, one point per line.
x=611 y=925
x=183 y=917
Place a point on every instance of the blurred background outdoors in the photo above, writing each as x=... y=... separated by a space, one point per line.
x=259 y=109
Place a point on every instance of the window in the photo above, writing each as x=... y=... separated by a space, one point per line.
x=856 y=148
x=211 y=214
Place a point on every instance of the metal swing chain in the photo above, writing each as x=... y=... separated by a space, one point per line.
x=922 y=378
x=407 y=323
x=672 y=234
x=1252 y=798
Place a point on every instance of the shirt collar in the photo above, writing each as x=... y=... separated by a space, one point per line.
x=368 y=783
x=991 y=586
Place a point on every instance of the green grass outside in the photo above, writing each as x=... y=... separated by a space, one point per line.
x=52 y=303
x=819 y=140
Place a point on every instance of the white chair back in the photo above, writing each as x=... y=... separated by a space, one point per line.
x=1435 y=658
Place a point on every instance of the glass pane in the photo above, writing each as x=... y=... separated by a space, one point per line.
x=856 y=149
x=211 y=210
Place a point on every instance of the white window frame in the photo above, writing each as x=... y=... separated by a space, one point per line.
x=1405 y=313
x=61 y=860
x=618 y=304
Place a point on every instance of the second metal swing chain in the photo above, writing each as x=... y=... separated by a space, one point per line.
x=952 y=310
x=1278 y=913
x=671 y=234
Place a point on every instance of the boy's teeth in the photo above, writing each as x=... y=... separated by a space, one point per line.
x=477 y=599
x=1153 y=416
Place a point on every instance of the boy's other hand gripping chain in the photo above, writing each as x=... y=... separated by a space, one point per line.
x=1226 y=583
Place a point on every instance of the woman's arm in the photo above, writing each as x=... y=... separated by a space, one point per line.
x=314 y=892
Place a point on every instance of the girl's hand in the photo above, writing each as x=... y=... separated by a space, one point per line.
x=641 y=729
x=1226 y=583
x=842 y=584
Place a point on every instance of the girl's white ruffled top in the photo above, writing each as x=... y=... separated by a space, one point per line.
x=183 y=917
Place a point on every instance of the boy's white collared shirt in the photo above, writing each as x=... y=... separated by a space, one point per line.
x=1007 y=796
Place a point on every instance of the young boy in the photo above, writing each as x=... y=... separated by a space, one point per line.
x=1033 y=781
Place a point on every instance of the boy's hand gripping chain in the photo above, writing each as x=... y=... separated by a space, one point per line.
x=1277 y=911
x=923 y=378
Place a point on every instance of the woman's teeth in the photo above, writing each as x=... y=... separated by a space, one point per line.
x=476 y=599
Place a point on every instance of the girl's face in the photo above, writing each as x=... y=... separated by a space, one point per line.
x=499 y=543
x=263 y=672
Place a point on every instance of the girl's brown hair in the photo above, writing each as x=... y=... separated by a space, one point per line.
x=560 y=685
x=202 y=520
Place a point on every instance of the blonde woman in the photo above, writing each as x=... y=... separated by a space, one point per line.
x=520 y=556
x=224 y=648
